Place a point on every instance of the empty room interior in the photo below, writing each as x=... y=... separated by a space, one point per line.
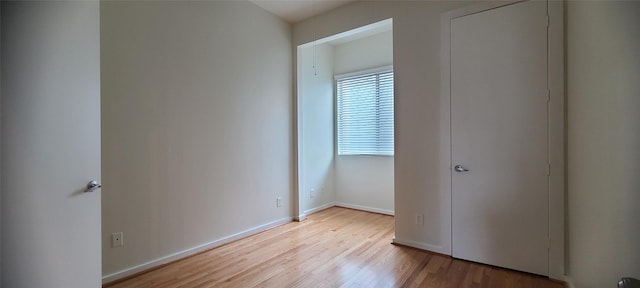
x=319 y=143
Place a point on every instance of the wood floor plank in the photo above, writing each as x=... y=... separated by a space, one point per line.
x=336 y=247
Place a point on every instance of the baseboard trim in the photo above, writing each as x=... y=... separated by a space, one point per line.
x=195 y=250
x=317 y=209
x=423 y=246
x=344 y=205
x=569 y=281
x=365 y=208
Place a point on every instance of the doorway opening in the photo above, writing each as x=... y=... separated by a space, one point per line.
x=345 y=121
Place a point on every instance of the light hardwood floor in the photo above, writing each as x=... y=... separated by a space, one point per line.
x=336 y=247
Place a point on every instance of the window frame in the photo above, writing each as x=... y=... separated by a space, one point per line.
x=355 y=74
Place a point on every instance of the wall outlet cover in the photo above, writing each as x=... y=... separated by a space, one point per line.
x=117 y=239
x=419 y=219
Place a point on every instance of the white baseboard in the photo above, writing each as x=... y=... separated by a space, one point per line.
x=345 y=205
x=179 y=255
x=316 y=209
x=365 y=208
x=569 y=281
x=423 y=246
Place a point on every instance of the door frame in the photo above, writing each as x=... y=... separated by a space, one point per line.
x=557 y=140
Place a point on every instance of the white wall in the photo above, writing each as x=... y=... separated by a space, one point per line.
x=315 y=117
x=421 y=163
x=0 y=144
x=364 y=181
x=603 y=94
x=364 y=53
x=197 y=126
x=50 y=143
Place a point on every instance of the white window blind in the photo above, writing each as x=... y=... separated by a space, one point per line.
x=365 y=114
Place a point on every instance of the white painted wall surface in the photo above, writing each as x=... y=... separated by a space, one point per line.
x=316 y=104
x=0 y=144
x=603 y=91
x=364 y=181
x=50 y=143
x=197 y=125
x=422 y=175
x=364 y=53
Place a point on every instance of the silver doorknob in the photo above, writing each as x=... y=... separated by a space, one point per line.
x=459 y=168
x=92 y=186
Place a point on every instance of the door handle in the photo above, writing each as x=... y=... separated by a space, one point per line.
x=459 y=168
x=92 y=186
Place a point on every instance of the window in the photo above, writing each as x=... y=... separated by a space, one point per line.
x=365 y=113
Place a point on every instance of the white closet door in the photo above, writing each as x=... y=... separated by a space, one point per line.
x=51 y=233
x=499 y=128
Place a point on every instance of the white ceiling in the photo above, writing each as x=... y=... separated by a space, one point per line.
x=294 y=11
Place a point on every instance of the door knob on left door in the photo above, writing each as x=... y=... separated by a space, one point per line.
x=92 y=186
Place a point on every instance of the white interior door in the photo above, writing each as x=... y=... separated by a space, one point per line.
x=499 y=134
x=50 y=144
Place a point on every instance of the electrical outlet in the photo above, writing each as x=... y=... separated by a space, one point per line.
x=419 y=218
x=117 y=239
x=312 y=193
x=279 y=202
